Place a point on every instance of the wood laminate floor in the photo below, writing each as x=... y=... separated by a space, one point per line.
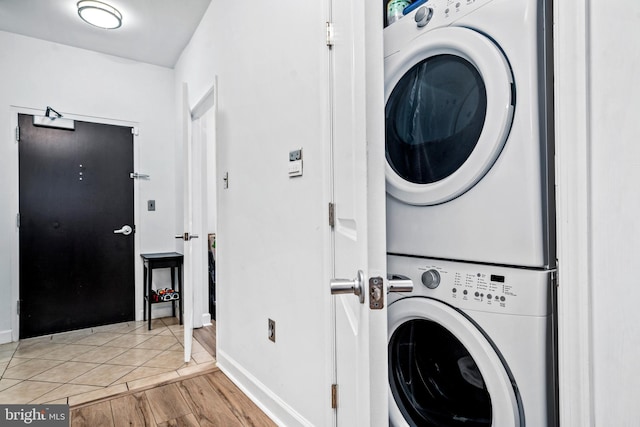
x=209 y=399
x=206 y=336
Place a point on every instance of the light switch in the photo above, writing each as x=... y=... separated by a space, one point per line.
x=295 y=168
x=151 y=205
x=295 y=163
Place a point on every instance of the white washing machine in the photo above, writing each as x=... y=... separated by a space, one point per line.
x=469 y=132
x=471 y=345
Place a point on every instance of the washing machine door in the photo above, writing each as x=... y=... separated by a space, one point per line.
x=443 y=372
x=449 y=107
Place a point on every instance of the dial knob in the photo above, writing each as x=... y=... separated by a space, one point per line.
x=423 y=16
x=431 y=279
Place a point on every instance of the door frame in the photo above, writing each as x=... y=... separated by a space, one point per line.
x=14 y=203
x=572 y=69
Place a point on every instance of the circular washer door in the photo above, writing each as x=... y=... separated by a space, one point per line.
x=443 y=372
x=449 y=109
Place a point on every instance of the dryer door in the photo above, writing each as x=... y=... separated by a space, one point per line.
x=449 y=107
x=443 y=372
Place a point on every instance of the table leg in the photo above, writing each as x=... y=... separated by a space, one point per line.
x=145 y=297
x=173 y=286
x=150 y=276
x=180 y=290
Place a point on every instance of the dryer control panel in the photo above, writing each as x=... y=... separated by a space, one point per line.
x=427 y=15
x=477 y=287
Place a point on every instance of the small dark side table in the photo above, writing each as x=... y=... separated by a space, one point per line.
x=172 y=260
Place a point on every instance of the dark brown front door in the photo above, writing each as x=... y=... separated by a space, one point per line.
x=75 y=190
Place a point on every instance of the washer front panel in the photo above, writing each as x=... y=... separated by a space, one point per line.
x=416 y=359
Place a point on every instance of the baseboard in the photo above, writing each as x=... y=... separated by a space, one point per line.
x=265 y=399
x=5 y=336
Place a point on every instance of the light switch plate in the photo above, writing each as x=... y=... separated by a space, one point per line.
x=295 y=168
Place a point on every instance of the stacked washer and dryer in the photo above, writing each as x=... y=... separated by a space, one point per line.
x=470 y=214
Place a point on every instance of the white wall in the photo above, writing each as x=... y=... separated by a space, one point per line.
x=271 y=229
x=615 y=177
x=78 y=82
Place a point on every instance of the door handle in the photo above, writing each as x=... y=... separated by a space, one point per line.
x=346 y=286
x=126 y=230
x=186 y=236
x=397 y=283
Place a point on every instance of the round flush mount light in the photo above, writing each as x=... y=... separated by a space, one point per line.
x=99 y=14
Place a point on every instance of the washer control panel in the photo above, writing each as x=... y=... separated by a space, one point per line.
x=482 y=287
x=477 y=286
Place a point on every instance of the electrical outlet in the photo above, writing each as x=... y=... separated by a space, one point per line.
x=272 y=330
x=151 y=205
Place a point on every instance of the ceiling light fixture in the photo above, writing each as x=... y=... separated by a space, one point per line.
x=99 y=14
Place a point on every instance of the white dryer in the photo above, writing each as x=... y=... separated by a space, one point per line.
x=471 y=345
x=469 y=132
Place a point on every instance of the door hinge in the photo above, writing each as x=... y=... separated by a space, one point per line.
x=18 y=307
x=18 y=220
x=17 y=133
x=554 y=278
x=135 y=131
x=329 y=34
x=332 y=215
x=334 y=396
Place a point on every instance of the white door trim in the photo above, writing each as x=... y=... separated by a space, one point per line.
x=573 y=180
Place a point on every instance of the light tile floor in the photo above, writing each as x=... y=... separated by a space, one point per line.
x=80 y=366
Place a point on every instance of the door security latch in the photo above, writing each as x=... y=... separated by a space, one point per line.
x=376 y=293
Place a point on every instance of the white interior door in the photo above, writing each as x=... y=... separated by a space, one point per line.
x=198 y=124
x=203 y=203
x=358 y=194
x=189 y=235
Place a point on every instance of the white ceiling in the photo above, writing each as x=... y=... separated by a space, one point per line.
x=153 y=31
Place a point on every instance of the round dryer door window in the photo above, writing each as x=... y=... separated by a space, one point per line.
x=449 y=109
x=443 y=372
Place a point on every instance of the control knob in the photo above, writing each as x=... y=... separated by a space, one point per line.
x=423 y=16
x=431 y=279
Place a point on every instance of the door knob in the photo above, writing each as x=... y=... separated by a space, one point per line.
x=126 y=230
x=347 y=286
x=186 y=236
x=397 y=283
